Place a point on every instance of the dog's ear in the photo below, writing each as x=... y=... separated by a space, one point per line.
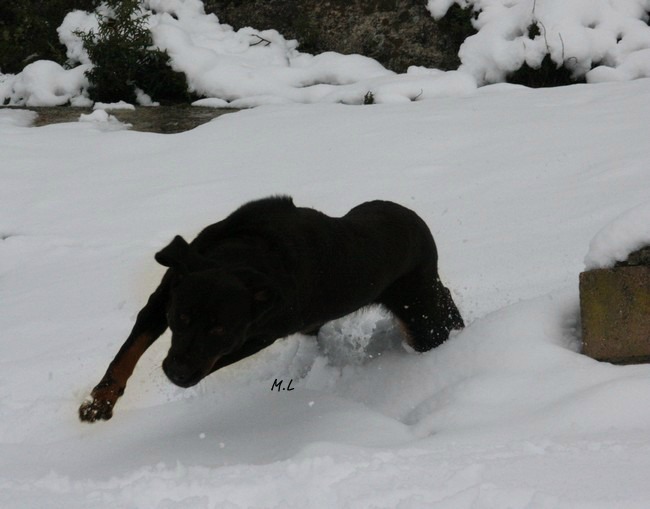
x=176 y=255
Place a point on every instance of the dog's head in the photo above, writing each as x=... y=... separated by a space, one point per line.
x=209 y=312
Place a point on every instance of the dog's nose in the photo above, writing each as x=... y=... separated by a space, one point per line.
x=179 y=372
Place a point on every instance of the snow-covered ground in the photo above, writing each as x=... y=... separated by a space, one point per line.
x=514 y=183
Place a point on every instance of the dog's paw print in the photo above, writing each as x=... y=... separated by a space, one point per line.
x=95 y=410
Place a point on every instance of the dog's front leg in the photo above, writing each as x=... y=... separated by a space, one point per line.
x=149 y=326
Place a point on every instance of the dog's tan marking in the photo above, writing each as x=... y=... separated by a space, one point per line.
x=124 y=363
x=406 y=333
x=106 y=393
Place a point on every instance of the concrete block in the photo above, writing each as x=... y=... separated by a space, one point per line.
x=615 y=311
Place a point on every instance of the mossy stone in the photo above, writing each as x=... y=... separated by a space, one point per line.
x=615 y=311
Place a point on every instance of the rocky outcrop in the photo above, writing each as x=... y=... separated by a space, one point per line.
x=397 y=33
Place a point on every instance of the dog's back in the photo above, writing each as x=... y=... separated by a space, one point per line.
x=369 y=239
x=336 y=265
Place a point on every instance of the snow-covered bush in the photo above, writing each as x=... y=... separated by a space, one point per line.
x=598 y=40
x=46 y=83
x=28 y=31
x=125 y=60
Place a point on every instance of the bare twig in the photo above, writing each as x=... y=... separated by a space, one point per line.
x=261 y=40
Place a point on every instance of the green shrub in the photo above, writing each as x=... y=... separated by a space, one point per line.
x=124 y=59
x=28 y=31
x=369 y=98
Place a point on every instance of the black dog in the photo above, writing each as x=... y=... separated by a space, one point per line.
x=271 y=269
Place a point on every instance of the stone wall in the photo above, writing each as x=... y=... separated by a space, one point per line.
x=397 y=33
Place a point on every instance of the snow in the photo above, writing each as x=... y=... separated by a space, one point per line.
x=103 y=120
x=601 y=40
x=22 y=118
x=514 y=183
x=212 y=102
x=45 y=83
x=624 y=235
x=120 y=105
x=78 y=21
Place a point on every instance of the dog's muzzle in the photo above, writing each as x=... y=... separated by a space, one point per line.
x=182 y=373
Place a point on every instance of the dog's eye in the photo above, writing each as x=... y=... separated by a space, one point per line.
x=217 y=331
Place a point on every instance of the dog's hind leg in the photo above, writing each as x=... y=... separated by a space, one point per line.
x=311 y=331
x=149 y=326
x=424 y=307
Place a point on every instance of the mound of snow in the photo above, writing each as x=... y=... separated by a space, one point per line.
x=359 y=339
x=45 y=83
x=103 y=120
x=624 y=235
x=78 y=21
x=19 y=118
x=121 y=105
x=212 y=102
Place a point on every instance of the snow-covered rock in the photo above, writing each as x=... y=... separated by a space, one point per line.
x=627 y=233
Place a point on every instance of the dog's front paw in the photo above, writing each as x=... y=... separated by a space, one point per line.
x=102 y=400
x=96 y=409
